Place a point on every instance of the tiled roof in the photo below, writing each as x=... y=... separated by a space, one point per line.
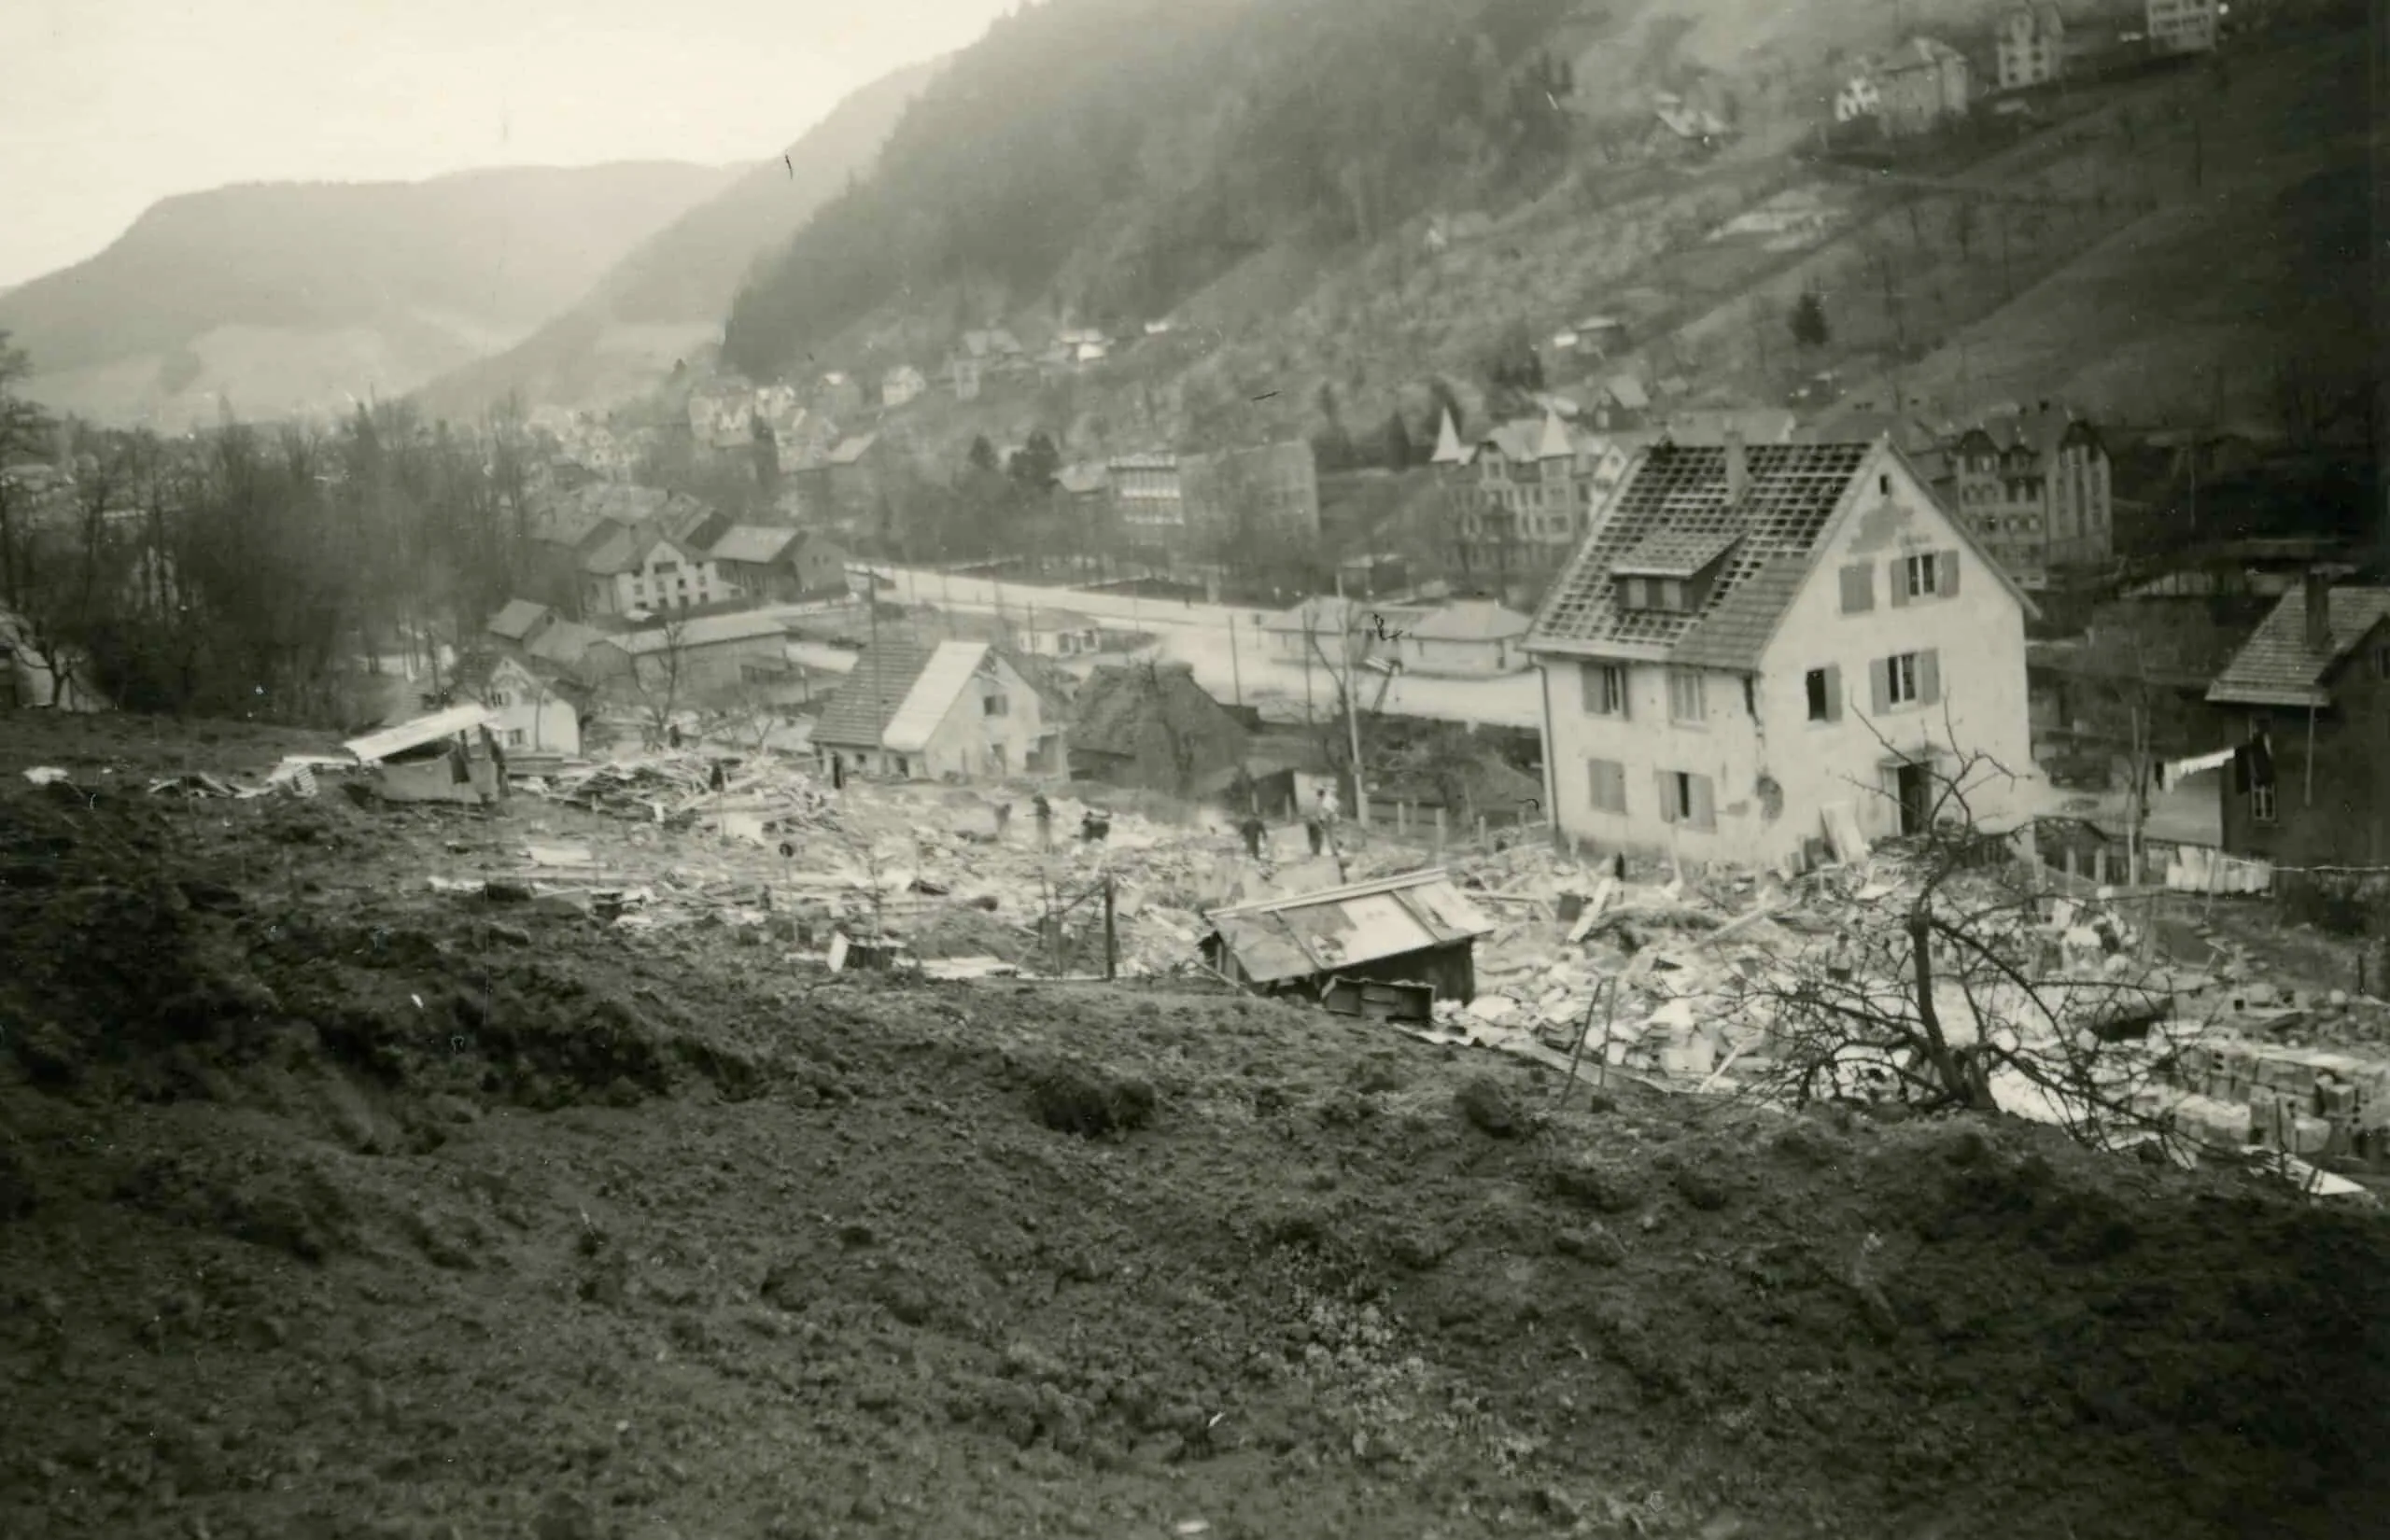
x=2276 y=667
x=565 y=643
x=1322 y=615
x=880 y=679
x=1677 y=552
x=752 y=542
x=1792 y=495
x=1469 y=620
x=703 y=631
x=1628 y=391
x=515 y=621
x=1710 y=425
x=621 y=551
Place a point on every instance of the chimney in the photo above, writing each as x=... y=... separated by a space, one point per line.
x=2319 y=611
x=1738 y=470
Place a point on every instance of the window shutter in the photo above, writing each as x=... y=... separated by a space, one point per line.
x=1858 y=588
x=1879 y=679
x=1948 y=572
x=1929 y=675
x=1594 y=779
x=1626 y=693
x=1617 y=787
x=1589 y=681
x=1834 y=692
x=1704 y=807
x=1664 y=784
x=1898 y=568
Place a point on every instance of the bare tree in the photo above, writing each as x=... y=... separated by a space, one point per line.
x=1955 y=991
x=737 y=714
x=655 y=682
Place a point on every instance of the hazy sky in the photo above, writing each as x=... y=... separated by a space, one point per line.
x=107 y=105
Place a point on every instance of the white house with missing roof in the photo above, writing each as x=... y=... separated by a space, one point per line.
x=1751 y=634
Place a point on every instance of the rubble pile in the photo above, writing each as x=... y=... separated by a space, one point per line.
x=748 y=797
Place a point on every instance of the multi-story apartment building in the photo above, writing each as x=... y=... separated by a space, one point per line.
x=2033 y=487
x=1148 y=501
x=1520 y=498
x=2182 y=26
x=1272 y=489
x=2031 y=46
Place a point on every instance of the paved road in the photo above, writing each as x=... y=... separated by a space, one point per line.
x=1232 y=657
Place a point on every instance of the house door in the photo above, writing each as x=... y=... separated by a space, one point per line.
x=1909 y=788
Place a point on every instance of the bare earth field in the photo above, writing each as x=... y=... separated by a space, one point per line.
x=334 y=1206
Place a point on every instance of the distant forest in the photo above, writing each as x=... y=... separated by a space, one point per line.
x=1120 y=155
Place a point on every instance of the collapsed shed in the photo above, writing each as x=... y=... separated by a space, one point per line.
x=1415 y=928
x=447 y=756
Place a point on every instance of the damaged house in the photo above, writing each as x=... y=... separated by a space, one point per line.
x=1754 y=640
x=954 y=709
x=1150 y=725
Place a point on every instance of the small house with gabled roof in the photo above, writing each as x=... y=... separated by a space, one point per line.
x=1750 y=635
x=952 y=710
x=2311 y=779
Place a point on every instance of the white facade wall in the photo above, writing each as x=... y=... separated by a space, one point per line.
x=1454 y=658
x=531 y=718
x=1978 y=635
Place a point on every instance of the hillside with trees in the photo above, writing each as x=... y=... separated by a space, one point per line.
x=280 y=296
x=666 y=298
x=1354 y=216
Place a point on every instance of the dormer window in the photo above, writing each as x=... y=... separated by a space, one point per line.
x=1661 y=593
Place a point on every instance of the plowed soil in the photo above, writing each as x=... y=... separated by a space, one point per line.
x=335 y=1207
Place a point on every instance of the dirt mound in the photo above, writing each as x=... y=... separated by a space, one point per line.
x=352 y=1209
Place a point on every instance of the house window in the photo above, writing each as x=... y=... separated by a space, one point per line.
x=497 y=700
x=1899 y=680
x=1607 y=785
x=2261 y=803
x=994 y=706
x=1605 y=688
x=2382 y=661
x=1686 y=701
x=1823 y=688
x=1921 y=574
x=1686 y=799
x=515 y=737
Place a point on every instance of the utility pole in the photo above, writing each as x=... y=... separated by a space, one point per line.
x=1236 y=675
x=1352 y=705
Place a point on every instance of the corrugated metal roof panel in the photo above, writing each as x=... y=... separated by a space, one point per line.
x=422 y=730
x=1264 y=948
x=1446 y=913
x=1342 y=927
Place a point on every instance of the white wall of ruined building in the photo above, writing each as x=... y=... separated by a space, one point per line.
x=1979 y=638
x=969 y=738
x=1645 y=743
x=1978 y=635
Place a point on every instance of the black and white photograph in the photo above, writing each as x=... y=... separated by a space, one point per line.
x=1195 y=770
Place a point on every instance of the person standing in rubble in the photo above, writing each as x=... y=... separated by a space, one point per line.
x=1095 y=826
x=1003 y=818
x=1045 y=811
x=1254 y=830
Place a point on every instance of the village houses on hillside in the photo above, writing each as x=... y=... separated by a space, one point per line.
x=1752 y=641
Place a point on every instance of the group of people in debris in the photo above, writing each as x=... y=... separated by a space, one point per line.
x=1095 y=824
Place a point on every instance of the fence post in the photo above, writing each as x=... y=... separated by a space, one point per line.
x=1440 y=833
x=1111 y=937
